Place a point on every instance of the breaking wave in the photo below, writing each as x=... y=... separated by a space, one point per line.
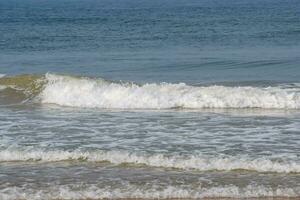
x=99 y=93
x=130 y=191
x=194 y=162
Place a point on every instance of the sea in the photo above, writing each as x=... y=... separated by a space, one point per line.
x=149 y=99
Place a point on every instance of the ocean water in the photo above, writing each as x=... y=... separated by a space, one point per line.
x=110 y=99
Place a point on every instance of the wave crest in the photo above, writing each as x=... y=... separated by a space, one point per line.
x=200 y=162
x=94 y=94
x=99 y=93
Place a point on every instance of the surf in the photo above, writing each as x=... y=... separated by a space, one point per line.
x=85 y=92
x=191 y=162
x=132 y=191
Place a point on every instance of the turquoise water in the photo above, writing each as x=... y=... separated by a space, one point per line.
x=149 y=99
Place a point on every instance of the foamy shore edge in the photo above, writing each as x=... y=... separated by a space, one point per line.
x=194 y=162
x=208 y=198
x=133 y=192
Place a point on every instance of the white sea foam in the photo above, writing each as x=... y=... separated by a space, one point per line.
x=83 y=92
x=133 y=191
x=2 y=87
x=200 y=162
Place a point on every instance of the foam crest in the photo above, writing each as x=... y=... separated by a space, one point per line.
x=84 y=92
x=200 y=162
x=2 y=87
x=131 y=191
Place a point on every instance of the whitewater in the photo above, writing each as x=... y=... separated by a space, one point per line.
x=132 y=191
x=193 y=162
x=99 y=93
x=67 y=91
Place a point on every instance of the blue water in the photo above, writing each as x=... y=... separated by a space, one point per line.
x=153 y=99
x=153 y=41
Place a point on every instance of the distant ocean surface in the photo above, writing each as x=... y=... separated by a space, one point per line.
x=149 y=99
